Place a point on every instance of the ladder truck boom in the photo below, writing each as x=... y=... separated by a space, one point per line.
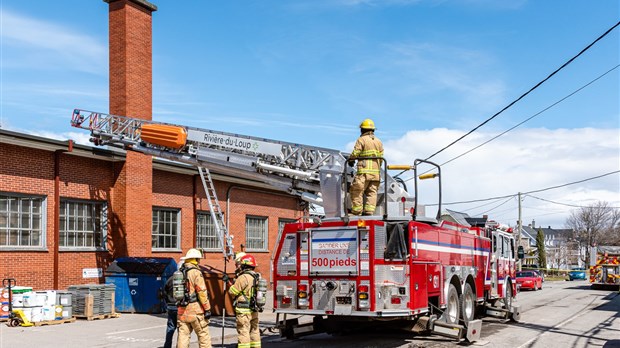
x=288 y=167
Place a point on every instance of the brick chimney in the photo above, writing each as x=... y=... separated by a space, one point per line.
x=131 y=94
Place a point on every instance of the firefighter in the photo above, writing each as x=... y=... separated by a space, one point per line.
x=194 y=311
x=366 y=182
x=243 y=290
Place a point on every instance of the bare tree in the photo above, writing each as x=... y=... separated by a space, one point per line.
x=596 y=224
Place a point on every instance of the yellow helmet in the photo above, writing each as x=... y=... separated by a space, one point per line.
x=193 y=254
x=367 y=124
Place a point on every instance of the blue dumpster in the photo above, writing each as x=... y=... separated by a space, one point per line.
x=139 y=281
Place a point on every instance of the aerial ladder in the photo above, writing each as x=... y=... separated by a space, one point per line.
x=288 y=167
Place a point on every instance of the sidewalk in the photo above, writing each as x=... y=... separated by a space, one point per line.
x=130 y=330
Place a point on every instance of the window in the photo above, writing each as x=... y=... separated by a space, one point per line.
x=256 y=232
x=166 y=229
x=206 y=235
x=82 y=224
x=282 y=222
x=22 y=221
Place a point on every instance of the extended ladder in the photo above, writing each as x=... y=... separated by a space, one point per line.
x=217 y=216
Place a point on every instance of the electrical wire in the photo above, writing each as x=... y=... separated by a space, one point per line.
x=566 y=204
x=526 y=93
x=520 y=123
x=497 y=206
x=533 y=191
x=531 y=117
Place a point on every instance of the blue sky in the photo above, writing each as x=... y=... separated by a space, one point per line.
x=309 y=71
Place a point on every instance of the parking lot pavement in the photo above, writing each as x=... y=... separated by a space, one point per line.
x=129 y=330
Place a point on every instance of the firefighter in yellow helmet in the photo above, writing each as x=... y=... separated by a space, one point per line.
x=194 y=311
x=366 y=182
x=242 y=291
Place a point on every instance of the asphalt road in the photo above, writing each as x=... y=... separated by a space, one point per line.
x=563 y=314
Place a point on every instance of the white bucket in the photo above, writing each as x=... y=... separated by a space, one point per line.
x=41 y=298
x=37 y=314
x=30 y=299
x=51 y=298
x=48 y=312
x=18 y=300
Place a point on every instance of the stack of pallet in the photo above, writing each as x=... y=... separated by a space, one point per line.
x=93 y=301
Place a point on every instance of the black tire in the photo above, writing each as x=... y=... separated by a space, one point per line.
x=468 y=304
x=452 y=313
x=14 y=322
x=509 y=294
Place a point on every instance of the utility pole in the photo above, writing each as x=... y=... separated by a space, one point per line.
x=519 y=226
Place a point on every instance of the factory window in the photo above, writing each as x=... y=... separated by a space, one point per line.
x=256 y=232
x=166 y=229
x=282 y=222
x=82 y=225
x=206 y=235
x=22 y=221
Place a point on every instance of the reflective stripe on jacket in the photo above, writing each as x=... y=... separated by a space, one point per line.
x=196 y=285
x=367 y=145
x=243 y=290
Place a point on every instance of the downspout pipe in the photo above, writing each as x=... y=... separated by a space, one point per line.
x=56 y=233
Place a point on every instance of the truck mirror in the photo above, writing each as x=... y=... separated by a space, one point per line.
x=520 y=252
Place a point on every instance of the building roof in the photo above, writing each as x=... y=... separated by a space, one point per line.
x=458 y=217
x=115 y=155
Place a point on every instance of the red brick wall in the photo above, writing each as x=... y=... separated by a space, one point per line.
x=175 y=191
x=30 y=171
x=131 y=95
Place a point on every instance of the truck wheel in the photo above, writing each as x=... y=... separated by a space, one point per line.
x=468 y=304
x=452 y=312
x=508 y=298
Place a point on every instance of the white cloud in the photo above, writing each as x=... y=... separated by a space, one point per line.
x=48 y=45
x=77 y=137
x=522 y=161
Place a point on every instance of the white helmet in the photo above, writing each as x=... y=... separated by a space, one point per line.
x=238 y=257
x=193 y=254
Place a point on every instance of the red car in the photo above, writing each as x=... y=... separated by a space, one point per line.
x=529 y=280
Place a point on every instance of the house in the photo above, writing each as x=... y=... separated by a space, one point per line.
x=561 y=250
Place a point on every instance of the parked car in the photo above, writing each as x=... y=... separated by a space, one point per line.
x=529 y=280
x=577 y=274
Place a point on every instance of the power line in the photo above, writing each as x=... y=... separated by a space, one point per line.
x=497 y=206
x=531 y=117
x=526 y=93
x=566 y=204
x=533 y=191
x=572 y=183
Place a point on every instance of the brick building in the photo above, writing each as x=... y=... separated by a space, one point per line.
x=58 y=213
x=67 y=210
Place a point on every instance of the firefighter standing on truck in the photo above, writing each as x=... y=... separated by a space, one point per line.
x=244 y=292
x=194 y=309
x=367 y=178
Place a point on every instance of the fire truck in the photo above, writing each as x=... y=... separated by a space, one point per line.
x=431 y=274
x=605 y=267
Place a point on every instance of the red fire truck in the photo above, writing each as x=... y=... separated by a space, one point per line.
x=432 y=274
x=605 y=267
x=426 y=274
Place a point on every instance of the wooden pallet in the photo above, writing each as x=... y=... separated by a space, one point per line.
x=97 y=317
x=54 y=322
x=89 y=311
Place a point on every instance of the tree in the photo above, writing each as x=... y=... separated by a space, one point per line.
x=596 y=224
x=540 y=245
